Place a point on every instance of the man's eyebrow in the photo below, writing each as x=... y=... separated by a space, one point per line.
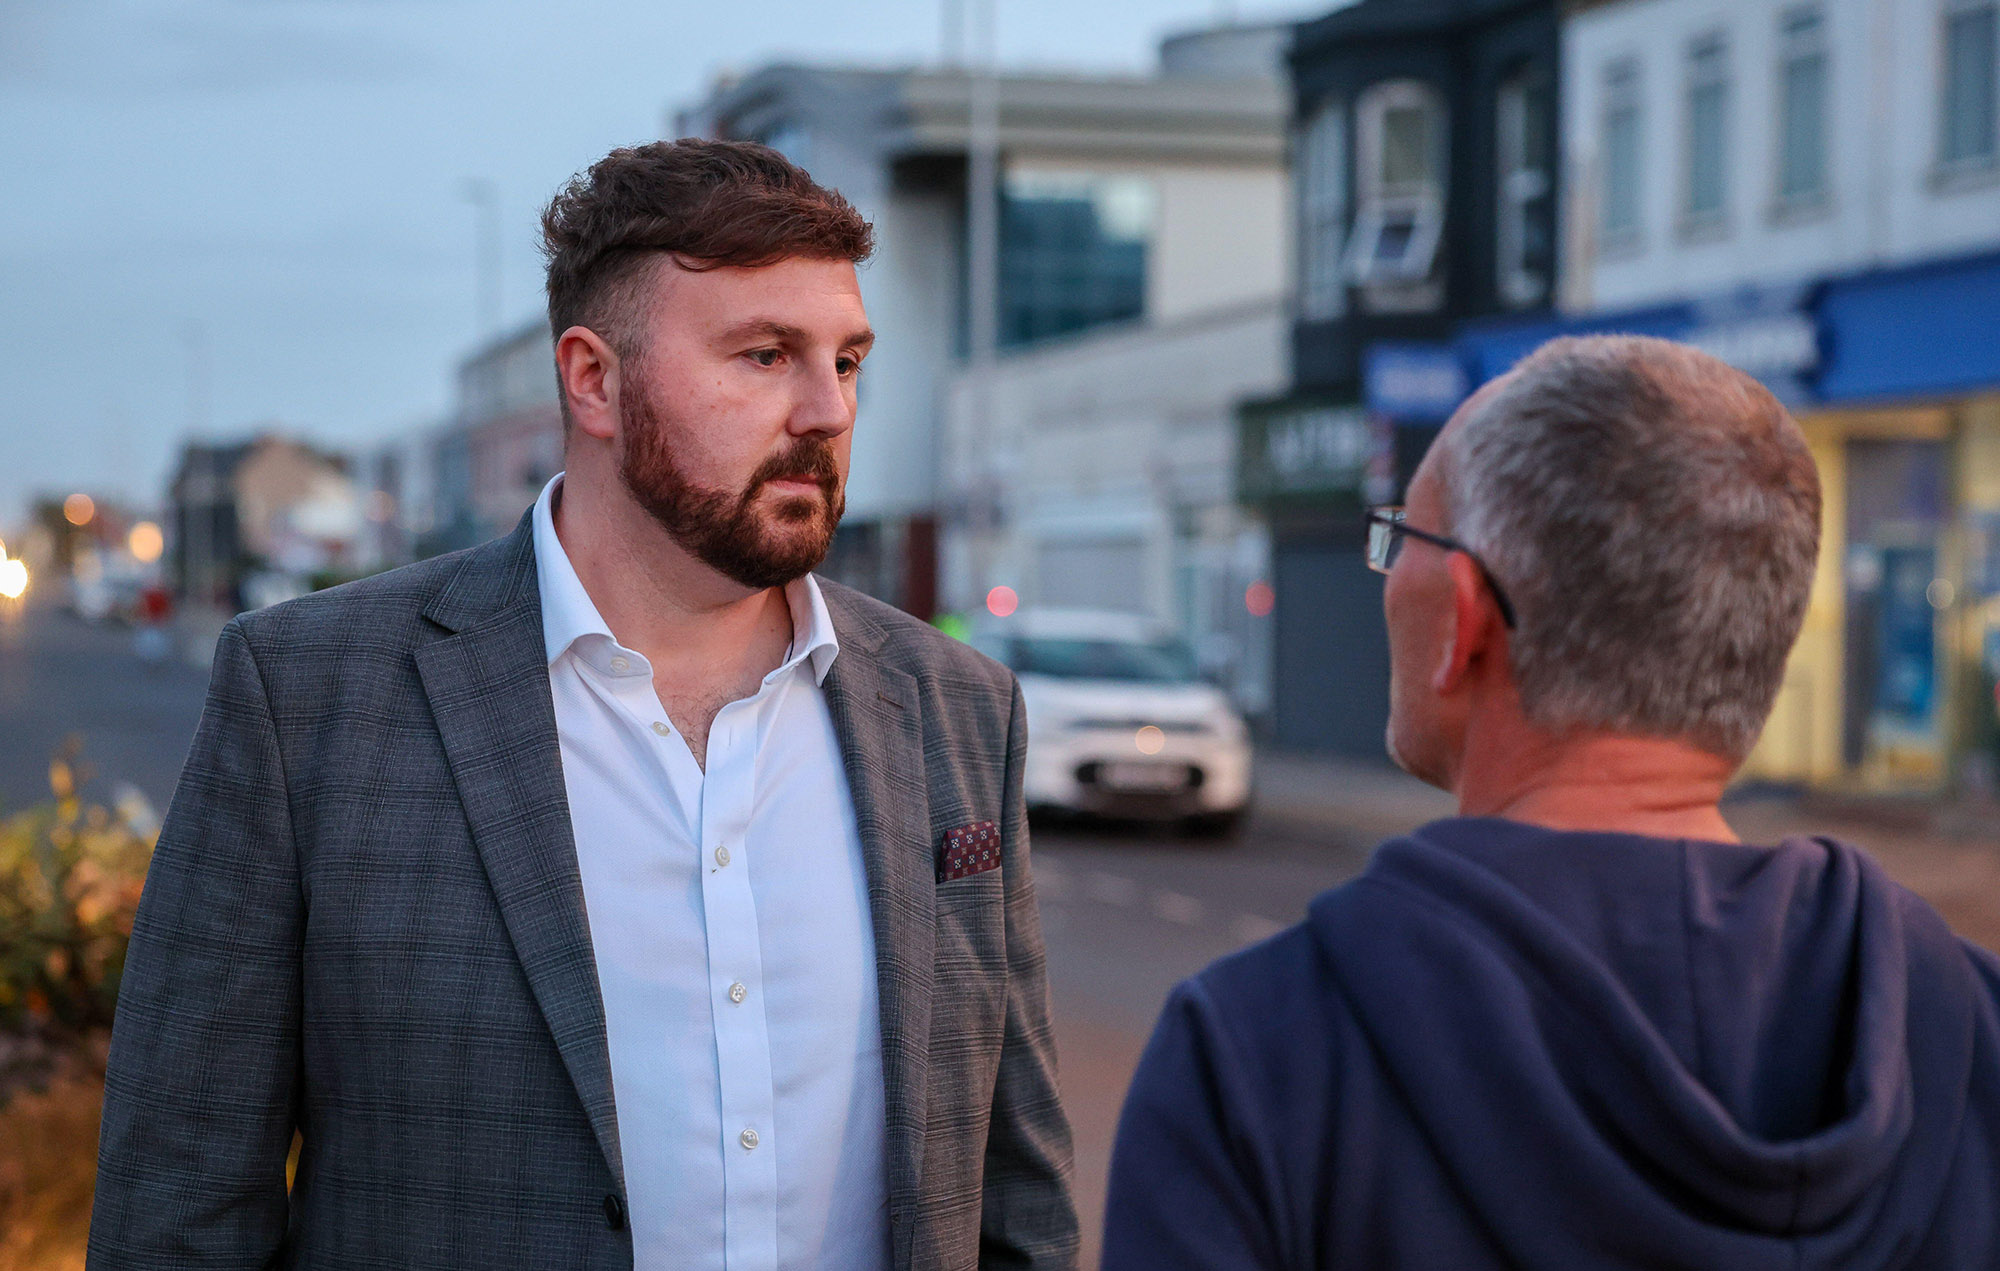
x=786 y=333
x=764 y=328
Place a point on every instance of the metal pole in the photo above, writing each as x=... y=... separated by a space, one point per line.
x=983 y=276
x=951 y=41
x=983 y=192
x=195 y=551
x=483 y=196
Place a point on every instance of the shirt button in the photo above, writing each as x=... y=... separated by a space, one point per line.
x=621 y=665
x=748 y=1139
x=737 y=992
x=721 y=856
x=663 y=728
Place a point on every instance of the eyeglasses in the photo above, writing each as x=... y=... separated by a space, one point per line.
x=1386 y=531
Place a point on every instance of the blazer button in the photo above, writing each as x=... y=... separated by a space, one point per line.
x=614 y=1211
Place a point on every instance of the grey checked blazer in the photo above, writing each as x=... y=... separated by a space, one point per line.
x=364 y=921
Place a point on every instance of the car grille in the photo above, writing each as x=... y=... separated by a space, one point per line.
x=1191 y=727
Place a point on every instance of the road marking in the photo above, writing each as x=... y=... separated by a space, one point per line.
x=1250 y=928
x=1175 y=907
x=1111 y=889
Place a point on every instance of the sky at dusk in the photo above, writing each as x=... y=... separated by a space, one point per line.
x=226 y=214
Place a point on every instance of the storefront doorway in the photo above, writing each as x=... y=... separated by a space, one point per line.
x=1894 y=721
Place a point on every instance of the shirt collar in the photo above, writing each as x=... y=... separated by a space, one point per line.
x=569 y=614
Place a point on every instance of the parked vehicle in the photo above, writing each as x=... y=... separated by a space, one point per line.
x=1119 y=723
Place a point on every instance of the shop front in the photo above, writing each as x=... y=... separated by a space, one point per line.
x=1907 y=431
x=1894 y=376
x=1310 y=465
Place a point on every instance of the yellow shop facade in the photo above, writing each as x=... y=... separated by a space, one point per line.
x=1895 y=377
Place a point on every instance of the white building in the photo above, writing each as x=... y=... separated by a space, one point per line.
x=1811 y=189
x=1126 y=202
x=1099 y=471
x=505 y=440
x=1713 y=143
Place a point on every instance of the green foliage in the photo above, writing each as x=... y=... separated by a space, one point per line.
x=70 y=876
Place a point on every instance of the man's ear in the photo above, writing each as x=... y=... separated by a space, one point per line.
x=1477 y=631
x=588 y=371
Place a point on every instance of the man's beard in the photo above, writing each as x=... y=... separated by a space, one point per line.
x=724 y=529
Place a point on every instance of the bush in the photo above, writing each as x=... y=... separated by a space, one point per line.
x=70 y=876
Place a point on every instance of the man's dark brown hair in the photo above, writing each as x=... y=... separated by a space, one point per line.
x=707 y=203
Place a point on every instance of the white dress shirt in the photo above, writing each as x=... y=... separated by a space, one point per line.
x=730 y=922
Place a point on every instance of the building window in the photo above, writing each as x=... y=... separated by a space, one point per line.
x=1322 y=212
x=1525 y=250
x=1619 y=201
x=1399 y=183
x=1073 y=250
x=1971 y=73
x=1705 y=181
x=1802 y=81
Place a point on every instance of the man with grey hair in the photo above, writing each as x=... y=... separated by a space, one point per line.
x=1580 y=1025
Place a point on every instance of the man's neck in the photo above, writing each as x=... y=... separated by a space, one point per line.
x=690 y=622
x=1617 y=784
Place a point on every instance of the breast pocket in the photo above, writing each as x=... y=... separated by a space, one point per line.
x=976 y=892
x=970 y=989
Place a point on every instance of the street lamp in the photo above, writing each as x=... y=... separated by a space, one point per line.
x=483 y=195
x=146 y=542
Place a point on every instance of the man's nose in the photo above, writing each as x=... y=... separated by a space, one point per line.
x=824 y=406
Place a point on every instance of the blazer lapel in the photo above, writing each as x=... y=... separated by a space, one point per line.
x=488 y=686
x=875 y=712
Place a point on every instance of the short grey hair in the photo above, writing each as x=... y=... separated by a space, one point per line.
x=1653 y=514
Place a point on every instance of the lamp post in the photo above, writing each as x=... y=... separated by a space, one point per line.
x=485 y=198
x=982 y=248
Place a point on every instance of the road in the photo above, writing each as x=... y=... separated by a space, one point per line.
x=61 y=677
x=1127 y=913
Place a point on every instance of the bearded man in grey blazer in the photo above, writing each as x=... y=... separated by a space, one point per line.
x=615 y=892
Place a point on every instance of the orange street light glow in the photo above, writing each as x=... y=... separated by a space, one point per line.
x=1001 y=602
x=78 y=509
x=1260 y=599
x=13 y=578
x=1150 y=740
x=146 y=542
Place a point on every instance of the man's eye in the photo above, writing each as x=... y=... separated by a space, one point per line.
x=766 y=357
x=847 y=366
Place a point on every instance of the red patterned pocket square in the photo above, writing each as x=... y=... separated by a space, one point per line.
x=969 y=849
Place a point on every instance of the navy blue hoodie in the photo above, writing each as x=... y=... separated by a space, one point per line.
x=1505 y=1046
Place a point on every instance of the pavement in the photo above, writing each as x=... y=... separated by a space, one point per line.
x=1946 y=850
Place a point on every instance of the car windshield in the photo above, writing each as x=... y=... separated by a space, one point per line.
x=1168 y=662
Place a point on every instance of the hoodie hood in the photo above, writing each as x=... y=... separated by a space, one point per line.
x=1617 y=1044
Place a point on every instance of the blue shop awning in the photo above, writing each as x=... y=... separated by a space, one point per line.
x=1922 y=331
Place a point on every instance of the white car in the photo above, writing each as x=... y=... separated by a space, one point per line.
x=1119 y=723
